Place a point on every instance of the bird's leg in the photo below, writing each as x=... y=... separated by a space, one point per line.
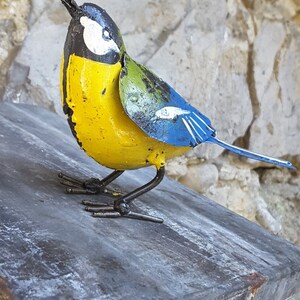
x=121 y=206
x=91 y=186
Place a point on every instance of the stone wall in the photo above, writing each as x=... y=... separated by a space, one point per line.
x=13 y=24
x=237 y=61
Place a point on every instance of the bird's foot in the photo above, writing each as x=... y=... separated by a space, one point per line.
x=121 y=204
x=91 y=186
x=116 y=211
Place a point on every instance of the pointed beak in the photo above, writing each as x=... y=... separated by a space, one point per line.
x=72 y=7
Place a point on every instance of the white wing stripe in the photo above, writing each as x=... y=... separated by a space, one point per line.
x=198 y=125
x=171 y=112
x=189 y=129
x=201 y=119
x=198 y=134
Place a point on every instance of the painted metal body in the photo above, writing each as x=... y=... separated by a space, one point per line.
x=122 y=114
x=99 y=122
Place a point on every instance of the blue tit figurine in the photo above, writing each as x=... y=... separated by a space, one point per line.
x=123 y=115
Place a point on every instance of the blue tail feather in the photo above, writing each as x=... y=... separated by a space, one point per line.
x=252 y=155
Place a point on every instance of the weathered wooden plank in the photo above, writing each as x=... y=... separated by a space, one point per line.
x=50 y=247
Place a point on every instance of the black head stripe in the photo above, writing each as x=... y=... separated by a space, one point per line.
x=75 y=45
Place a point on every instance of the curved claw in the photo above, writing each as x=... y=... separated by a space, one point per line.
x=91 y=186
x=113 y=214
x=109 y=211
x=77 y=191
x=70 y=181
x=94 y=206
x=138 y=216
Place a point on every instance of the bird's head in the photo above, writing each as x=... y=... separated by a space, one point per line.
x=93 y=34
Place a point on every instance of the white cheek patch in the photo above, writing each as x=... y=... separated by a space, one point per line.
x=92 y=36
x=171 y=113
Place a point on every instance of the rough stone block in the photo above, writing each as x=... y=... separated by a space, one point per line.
x=52 y=248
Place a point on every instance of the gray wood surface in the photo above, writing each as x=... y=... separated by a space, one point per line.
x=52 y=249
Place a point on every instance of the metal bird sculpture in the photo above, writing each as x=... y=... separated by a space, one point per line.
x=122 y=114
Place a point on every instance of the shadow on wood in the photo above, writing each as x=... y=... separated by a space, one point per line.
x=51 y=247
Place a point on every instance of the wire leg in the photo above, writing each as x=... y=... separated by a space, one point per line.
x=121 y=206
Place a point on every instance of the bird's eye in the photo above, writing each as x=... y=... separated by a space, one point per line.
x=106 y=35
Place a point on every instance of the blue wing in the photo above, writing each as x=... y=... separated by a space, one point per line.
x=164 y=115
x=159 y=110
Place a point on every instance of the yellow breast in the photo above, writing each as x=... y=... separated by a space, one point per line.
x=101 y=125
